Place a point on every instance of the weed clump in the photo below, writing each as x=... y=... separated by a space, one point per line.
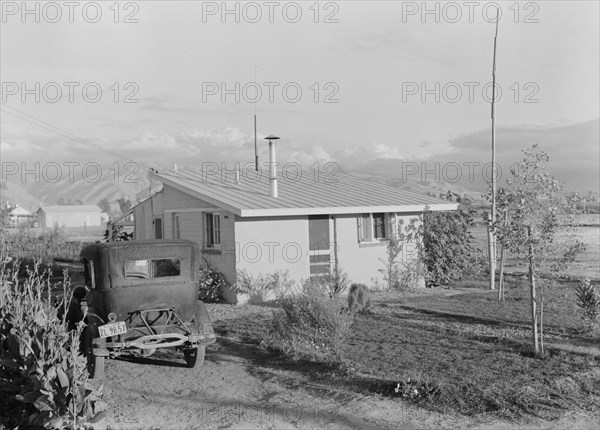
x=310 y=325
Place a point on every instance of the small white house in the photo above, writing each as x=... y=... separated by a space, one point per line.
x=299 y=221
x=18 y=216
x=70 y=216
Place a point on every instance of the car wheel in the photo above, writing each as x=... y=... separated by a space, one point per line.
x=95 y=364
x=194 y=357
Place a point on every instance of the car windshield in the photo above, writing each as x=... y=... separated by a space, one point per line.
x=158 y=268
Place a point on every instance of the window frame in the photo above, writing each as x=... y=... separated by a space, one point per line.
x=366 y=221
x=176 y=226
x=212 y=231
x=162 y=227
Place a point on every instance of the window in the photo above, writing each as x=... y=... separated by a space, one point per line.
x=375 y=227
x=212 y=230
x=158 y=230
x=176 y=228
x=379 y=226
x=89 y=275
x=144 y=269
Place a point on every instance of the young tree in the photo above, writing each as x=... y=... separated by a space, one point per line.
x=104 y=205
x=537 y=206
x=124 y=204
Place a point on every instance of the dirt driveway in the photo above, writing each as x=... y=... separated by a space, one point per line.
x=239 y=387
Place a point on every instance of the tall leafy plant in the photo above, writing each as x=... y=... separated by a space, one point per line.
x=537 y=207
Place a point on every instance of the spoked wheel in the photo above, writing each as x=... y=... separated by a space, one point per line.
x=194 y=357
x=95 y=364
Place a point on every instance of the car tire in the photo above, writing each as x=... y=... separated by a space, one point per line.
x=194 y=357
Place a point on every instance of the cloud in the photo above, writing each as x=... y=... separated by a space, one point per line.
x=573 y=150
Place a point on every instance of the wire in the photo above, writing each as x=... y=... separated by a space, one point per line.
x=49 y=127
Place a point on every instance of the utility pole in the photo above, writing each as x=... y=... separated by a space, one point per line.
x=492 y=217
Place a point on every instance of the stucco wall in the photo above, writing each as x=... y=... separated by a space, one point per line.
x=363 y=261
x=267 y=245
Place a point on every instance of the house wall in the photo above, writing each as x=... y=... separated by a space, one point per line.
x=143 y=217
x=363 y=261
x=72 y=219
x=266 y=245
x=191 y=227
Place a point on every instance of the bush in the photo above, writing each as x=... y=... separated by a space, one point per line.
x=310 y=325
x=211 y=283
x=264 y=287
x=447 y=243
x=588 y=299
x=41 y=363
x=333 y=283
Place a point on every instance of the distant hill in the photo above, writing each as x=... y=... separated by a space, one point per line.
x=134 y=186
x=107 y=184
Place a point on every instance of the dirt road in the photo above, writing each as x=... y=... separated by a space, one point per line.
x=239 y=387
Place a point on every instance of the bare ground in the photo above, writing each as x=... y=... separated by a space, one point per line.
x=241 y=387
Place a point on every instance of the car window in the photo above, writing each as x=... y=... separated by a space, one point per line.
x=88 y=269
x=158 y=268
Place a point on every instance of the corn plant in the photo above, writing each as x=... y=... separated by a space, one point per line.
x=40 y=358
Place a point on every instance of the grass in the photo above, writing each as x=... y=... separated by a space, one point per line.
x=479 y=366
x=472 y=353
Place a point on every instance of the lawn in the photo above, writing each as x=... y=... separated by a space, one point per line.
x=459 y=351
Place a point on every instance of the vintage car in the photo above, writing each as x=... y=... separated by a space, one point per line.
x=140 y=296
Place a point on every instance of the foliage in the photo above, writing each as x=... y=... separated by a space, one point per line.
x=448 y=247
x=437 y=247
x=416 y=389
x=104 y=205
x=333 y=283
x=124 y=204
x=40 y=359
x=537 y=206
x=210 y=283
x=588 y=299
x=263 y=287
x=33 y=244
x=359 y=298
x=310 y=325
x=117 y=233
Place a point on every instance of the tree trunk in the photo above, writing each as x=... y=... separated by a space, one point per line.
x=502 y=261
x=492 y=252
x=542 y=319
x=532 y=287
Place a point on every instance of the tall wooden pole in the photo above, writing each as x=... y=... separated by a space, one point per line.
x=492 y=218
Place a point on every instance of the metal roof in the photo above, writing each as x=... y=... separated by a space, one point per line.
x=70 y=208
x=300 y=193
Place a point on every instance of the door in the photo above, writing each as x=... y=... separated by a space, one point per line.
x=319 y=250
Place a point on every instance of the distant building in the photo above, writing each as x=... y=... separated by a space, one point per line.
x=18 y=216
x=70 y=216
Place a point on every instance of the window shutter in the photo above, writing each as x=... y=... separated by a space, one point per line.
x=360 y=227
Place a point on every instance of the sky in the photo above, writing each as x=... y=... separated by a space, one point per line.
x=376 y=86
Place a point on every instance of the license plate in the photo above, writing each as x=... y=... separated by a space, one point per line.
x=112 y=329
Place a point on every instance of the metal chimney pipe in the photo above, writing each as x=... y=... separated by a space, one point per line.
x=272 y=168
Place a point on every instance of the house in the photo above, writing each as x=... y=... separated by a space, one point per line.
x=71 y=216
x=18 y=216
x=304 y=222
